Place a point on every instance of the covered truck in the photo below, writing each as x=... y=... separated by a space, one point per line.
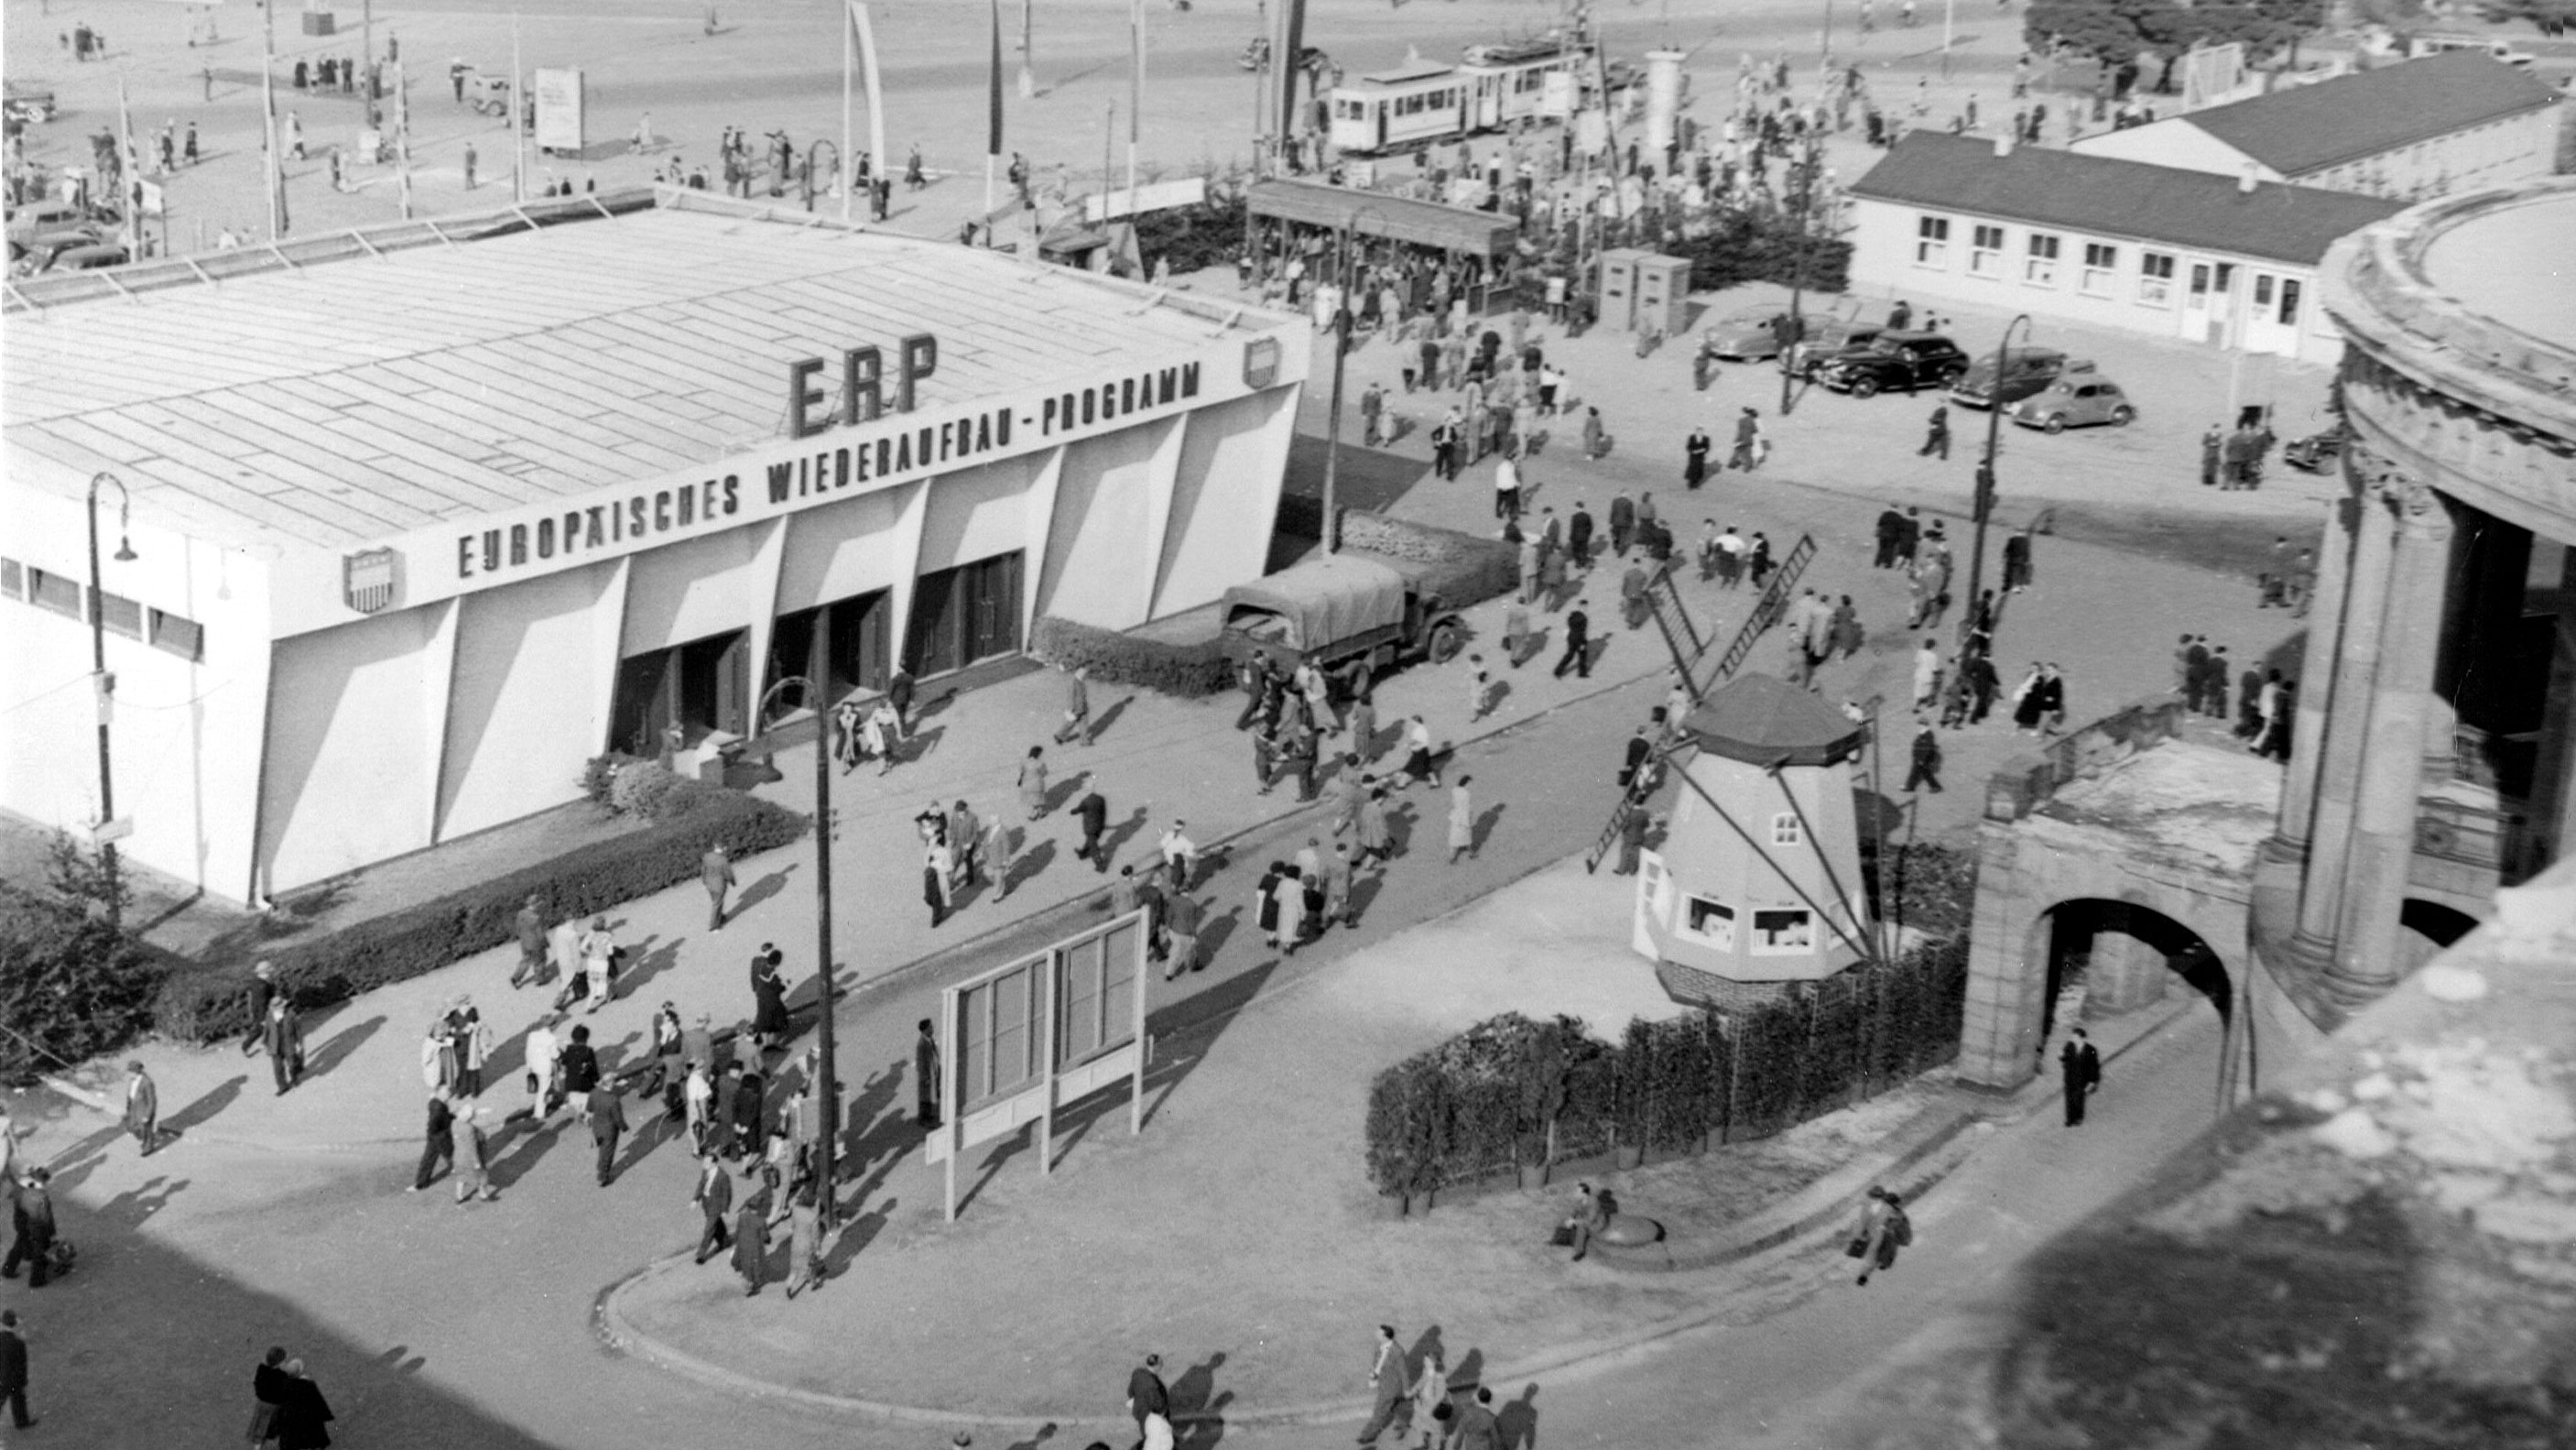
x=1341 y=608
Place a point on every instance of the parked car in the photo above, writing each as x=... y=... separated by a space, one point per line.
x=1828 y=339
x=1755 y=332
x=2025 y=371
x=1907 y=361
x=27 y=101
x=43 y=218
x=2317 y=452
x=2077 y=400
x=1337 y=609
x=88 y=257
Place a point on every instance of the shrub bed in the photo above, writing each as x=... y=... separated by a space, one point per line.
x=209 y=1005
x=1465 y=569
x=1188 y=668
x=1512 y=1091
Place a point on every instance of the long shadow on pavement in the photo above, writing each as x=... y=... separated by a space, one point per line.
x=141 y=1303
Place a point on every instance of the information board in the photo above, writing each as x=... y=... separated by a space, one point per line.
x=1025 y=1038
x=559 y=110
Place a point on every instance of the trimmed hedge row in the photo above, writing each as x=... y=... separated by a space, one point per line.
x=1511 y=1092
x=1466 y=570
x=1188 y=668
x=209 y=1005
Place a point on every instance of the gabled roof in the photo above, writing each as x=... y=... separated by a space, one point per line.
x=1763 y=720
x=2115 y=198
x=2310 y=128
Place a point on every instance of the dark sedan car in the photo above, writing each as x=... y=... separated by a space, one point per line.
x=1903 y=361
x=2315 y=453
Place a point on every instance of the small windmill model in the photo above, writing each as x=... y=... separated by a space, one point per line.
x=1757 y=882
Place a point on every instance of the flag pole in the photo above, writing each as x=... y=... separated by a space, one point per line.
x=993 y=120
x=1135 y=94
x=131 y=166
x=276 y=165
x=402 y=138
x=849 y=82
x=518 y=106
x=875 y=83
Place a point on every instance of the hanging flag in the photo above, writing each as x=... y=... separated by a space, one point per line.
x=993 y=124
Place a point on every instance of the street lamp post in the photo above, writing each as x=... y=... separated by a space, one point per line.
x=103 y=683
x=1983 y=504
x=827 y=1090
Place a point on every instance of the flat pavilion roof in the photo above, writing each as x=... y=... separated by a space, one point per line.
x=333 y=403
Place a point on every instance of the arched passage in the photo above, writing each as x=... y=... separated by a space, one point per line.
x=2426 y=928
x=2119 y=956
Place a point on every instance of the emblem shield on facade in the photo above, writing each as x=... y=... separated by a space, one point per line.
x=371 y=578
x=1261 y=362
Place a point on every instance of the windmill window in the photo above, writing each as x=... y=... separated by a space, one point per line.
x=1710 y=923
x=1784 y=829
x=1783 y=931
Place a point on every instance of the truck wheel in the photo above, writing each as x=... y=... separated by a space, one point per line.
x=1445 y=642
x=1864 y=386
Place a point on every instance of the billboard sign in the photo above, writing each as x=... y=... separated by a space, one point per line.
x=1023 y=1039
x=559 y=106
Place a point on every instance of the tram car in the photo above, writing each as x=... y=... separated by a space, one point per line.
x=1427 y=101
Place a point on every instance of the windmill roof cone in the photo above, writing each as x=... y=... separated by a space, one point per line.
x=1761 y=720
x=1757 y=881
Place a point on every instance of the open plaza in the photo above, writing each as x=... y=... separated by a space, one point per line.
x=1781 y=726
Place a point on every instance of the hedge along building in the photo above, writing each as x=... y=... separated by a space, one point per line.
x=424 y=518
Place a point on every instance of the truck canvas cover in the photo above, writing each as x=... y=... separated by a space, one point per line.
x=1318 y=602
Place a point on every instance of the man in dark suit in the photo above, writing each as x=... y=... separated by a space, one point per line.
x=1623 y=524
x=13 y=1369
x=714 y=1198
x=607 y=1122
x=1891 y=526
x=925 y=1077
x=1477 y=1427
x=1388 y=1382
x=1639 y=750
x=32 y=1223
x=1146 y=1394
x=1578 y=643
x=1578 y=537
x=2081 y=1066
x=1093 y=810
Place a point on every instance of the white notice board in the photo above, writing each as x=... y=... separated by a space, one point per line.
x=559 y=107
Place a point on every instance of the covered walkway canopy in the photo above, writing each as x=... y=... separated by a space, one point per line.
x=1376 y=214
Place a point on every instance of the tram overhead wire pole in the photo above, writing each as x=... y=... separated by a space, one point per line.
x=1983 y=501
x=827 y=1087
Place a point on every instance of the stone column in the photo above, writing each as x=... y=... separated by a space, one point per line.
x=2340 y=754
x=2553 y=785
x=2316 y=677
x=2366 y=962
x=1999 y=1033
x=2124 y=973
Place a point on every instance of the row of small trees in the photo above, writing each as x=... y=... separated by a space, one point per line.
x=1515 y=1094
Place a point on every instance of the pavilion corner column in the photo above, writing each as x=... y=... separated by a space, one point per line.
x=2365 y=962
x=2317 y=677
x=2339 y=753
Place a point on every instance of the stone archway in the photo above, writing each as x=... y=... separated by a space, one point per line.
x=2158 y=929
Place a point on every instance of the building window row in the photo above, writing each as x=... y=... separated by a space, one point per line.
x=62 y=594
x=2040 y=268
x=1985 y=251
x=2155 y=279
